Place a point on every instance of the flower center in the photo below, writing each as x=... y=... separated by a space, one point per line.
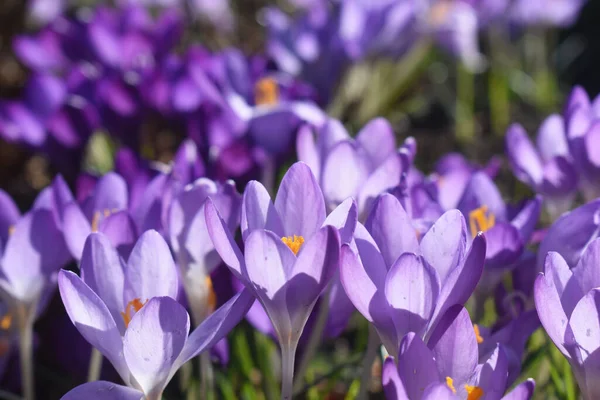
x=11 y=230
x=477 y=334
x=474 y=392
x=480 y=220
x=293 y=242
x=212 y=297
x=6 y=322
x=266 y=92
x=131 y=308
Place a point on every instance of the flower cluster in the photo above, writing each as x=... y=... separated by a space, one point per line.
x=274 y=221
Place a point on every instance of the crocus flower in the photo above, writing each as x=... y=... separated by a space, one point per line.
x=547 y=169
x=193 y=248
x=155 y=343
x=104 y=210
x=506 y=234
x=401 y=285
x=568 y=304
x=291 y=252
x=447 y=367
x=583 y=125
x=361 y=168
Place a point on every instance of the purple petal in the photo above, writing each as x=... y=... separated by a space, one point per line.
x=102 y=271
x=587 y=271
x=217 y=325
x=445 y=243
x=585 y=323
x=110 y=195
x=567 y=288
x=299 y=202
x=527 y=218
x=391 y=228
x=345 y=170
x=120 y=228
x=150 y=271
x=456 y=352
x=154 y=339
x=411 y=289
x=76 y=229
x=491 y=376
x=9 y=215
x=392 y=385
x=553 y=318
x=552 y=138
x=102 y=390
x=481 y=191
x=223 y=241
x=258 y=211
x=306 y=148
x=523 y=391
x=377 y=138
x=385 y=177
x=344 y=218
x=92 y=319
x=438 y=391
x=416 y=366
x=269 y=263
x=358 y=285
x=504 y=245
x=462 y=280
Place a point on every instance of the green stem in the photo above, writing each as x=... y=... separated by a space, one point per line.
x=206 y=376
x=95 y=365
x=314 y=340
x=25 y=324
x=369 y=358
x=465 y=104
x=288 y=355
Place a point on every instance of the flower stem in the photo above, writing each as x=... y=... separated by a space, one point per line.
x=206 y=376
x=288 y=356
x=25 y=324
x=369 y=358
x=95 y=365
x=465 y=102
x=314 y=340
x=499 y=93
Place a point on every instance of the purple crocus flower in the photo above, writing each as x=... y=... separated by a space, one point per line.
x=361 y=168
x=155 y=343
x=568 y=304
x=547 y=169
x=506 y=234
x=401 y=285
x=291 y=252
x=447 y=367
x=193 y=248
x=104 y=210
x=45 y=11
x=582 y=118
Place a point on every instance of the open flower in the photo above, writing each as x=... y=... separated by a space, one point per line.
x=361 y=168
x=547 y=169
x=291 y=250
x=154 y=345
x=447 y=366
x=568 y=304
x=401 y=285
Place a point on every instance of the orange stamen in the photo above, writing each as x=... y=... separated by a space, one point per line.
x=212 y=297
x=293 y=242
x=6 y=322
x=266 y=92
x=134 y=304
x=450 y=383
x=480 y=220
x=477 y=334
x=474 y=392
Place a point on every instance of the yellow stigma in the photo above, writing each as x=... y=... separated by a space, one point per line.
x=212 y=297
x=95 y=221
x=294 y=243
x=11 y=230
x=474 y=392
x=135 y=305
x=450 y=383
x=6 y=322
x=480 y=220
x=266 y=92
x=477 y=334
x=438 y=13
